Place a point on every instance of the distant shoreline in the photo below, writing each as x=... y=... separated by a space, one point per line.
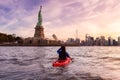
x=53 y=45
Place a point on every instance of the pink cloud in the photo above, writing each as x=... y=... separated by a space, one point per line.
x=92 y=17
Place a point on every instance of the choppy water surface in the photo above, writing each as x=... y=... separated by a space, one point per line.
x=35 y=63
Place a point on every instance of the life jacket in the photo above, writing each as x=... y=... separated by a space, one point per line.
x=62 y=55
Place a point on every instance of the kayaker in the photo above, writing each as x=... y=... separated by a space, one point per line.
x=62 y=53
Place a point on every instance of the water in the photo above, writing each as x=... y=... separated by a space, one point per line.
x=35 y=63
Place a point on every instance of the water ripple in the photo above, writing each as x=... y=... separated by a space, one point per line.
x=35 y=63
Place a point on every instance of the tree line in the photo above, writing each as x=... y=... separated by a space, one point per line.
x=10 y=38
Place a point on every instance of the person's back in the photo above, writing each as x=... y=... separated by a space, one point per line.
x=62 y=53
x=62 y=56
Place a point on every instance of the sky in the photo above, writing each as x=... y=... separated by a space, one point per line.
x=64 y=18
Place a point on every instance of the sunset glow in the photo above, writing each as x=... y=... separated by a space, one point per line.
x=61 y=17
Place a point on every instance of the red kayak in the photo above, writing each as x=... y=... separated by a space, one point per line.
x=60 y=63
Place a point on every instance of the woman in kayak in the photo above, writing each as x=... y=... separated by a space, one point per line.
x=62 y=53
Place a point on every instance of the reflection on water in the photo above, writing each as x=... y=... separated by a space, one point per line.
x=35 y=63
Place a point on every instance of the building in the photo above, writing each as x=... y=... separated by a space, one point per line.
x=110 y=41
x=119 y=40
x=72 y=41
x=115 y=43
x=89 y=40
x=103 y=41
x=97 y=41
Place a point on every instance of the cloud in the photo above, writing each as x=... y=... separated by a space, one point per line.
x=17 y=18
x=60 y=17
x=90 y=16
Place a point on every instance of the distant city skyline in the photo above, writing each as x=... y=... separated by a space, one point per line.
x=61 y=17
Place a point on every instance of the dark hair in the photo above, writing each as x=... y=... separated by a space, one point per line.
x=63 y=49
